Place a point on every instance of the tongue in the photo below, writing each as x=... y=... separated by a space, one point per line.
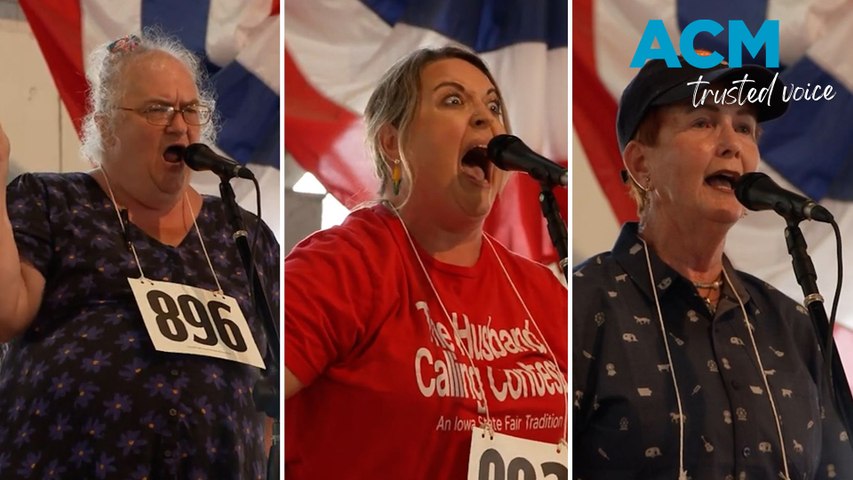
x=474 y=171
x=172 y=155
x=719 y=182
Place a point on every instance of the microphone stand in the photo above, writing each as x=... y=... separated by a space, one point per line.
x=807 y=278
x=265 y=392
x=556 y=226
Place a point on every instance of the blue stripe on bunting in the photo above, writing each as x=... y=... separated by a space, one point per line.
x=185 y=20
x=248 y=108
x=250 y=113
x=810 y=144
x=483 y=25
x=752 y=12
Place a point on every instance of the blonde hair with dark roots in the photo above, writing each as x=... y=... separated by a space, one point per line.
x=105 y=68
x=395 y=100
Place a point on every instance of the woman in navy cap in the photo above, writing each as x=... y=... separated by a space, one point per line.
x=685 y=368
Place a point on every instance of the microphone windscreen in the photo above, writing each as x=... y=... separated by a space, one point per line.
x=745 y=184
x=196 y=152
x=498 y=145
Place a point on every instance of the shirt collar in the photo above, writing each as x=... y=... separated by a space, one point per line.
x=628 y=251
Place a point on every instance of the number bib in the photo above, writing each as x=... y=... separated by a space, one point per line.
x=505 y=457
x=190 y=320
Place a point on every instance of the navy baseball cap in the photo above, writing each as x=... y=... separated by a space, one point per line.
x=656 y=84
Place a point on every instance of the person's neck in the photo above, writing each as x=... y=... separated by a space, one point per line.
x=693 y=249
x=167 y=218
x=158 y=206
x=459 y=245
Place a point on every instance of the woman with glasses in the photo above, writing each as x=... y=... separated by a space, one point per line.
x=133 y=345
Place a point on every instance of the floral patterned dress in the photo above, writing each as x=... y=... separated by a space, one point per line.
x=83 y=393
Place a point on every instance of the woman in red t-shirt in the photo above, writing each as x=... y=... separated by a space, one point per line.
x=407 y=327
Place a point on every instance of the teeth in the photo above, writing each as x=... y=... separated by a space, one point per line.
x=720 y=181
x=726 y=176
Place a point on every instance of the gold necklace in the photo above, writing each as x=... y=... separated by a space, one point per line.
x=715 y=285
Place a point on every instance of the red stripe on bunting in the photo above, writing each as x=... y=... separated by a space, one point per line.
x=324 y=138
x=594 y=115
x=56 y=25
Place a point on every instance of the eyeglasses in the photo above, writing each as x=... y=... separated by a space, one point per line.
x=162 y=115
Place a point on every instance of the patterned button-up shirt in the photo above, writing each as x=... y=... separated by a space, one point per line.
x=627 y=418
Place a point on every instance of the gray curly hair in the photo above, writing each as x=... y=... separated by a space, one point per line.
x=105 y=67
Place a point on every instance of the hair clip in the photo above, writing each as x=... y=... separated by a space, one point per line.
x=124 y=44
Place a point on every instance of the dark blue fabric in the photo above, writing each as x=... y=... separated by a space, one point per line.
x=811 y=145
x=482 y=25
x=250 y=117
x=753 y=13
x=626 y=412
x=185 y=20
x=83 y=393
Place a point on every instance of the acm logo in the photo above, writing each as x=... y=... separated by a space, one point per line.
x=739 y=37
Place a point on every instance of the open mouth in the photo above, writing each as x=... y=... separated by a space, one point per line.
x=722 y=180
x=174 y=154
x=476 y=164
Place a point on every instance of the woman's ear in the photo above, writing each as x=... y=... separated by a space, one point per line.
x=635 y=161
x=389 y=142
x=103 y=125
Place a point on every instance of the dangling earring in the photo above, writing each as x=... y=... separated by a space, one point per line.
x=648 y=184
x=396 y=176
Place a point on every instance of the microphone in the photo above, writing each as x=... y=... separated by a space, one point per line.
x=757 y=191
x=200 y=157
x=508 y=152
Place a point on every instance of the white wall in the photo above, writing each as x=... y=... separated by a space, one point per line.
x=31 y=112
x=594 y=228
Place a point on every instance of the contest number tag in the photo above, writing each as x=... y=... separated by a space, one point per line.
x=190 y=320
x=504 y=457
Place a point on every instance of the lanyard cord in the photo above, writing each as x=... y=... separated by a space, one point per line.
x=123 y=226
x=682 y=474
x=488 y=424
x=203 y=248
x=563 y=442
x=459 y=343
x=133 y=249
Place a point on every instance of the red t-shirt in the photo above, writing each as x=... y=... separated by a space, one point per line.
x=389 y=393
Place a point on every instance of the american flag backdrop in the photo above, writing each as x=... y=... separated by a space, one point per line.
x=240 y=43
x=809 y=149
x=336 y=50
